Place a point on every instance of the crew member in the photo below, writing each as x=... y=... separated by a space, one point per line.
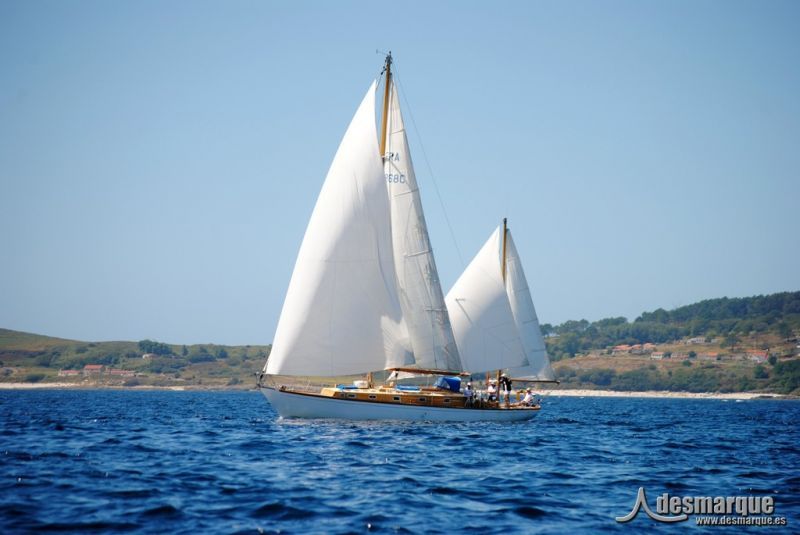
x=505 y=389
x=491 y=391
x=469 y=393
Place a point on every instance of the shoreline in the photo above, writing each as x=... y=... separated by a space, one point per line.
x=662 y=394
x=542 y=392
x=76 y=386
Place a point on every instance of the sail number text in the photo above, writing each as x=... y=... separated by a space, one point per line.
x=395 y=178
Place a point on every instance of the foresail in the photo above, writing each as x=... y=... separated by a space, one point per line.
x=342 y=314
x=419 y=289
x=483 y=323
x=521 y=301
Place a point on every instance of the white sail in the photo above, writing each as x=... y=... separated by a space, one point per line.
x=521 y=301
x=420 y=291
x=483 y=322
x=342 y=314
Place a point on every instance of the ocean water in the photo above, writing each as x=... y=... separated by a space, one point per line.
x=221 y=462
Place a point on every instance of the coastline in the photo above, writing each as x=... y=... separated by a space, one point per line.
x=543 y=392
x=661 y=394
x=35 y=386
x=77 y=386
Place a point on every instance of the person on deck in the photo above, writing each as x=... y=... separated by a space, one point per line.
x=505 y=389
x=528 y=400
x=491 y=390
x=469 y=393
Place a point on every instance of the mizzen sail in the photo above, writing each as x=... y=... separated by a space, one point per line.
x=483 y=321
x=494 y=320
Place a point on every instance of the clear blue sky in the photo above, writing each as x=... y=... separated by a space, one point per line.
x=159 y=160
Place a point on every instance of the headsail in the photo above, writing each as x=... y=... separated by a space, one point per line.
x=494 y=321
x=342 y=314
x=419 y=289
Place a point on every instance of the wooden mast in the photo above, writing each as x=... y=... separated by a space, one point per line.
x=388 y=69
x=505 y=239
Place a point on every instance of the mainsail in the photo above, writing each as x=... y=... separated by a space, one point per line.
x=494 y=320
x=420 y=292
x=342 y=313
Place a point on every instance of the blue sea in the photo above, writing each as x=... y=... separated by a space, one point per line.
x=221 y=462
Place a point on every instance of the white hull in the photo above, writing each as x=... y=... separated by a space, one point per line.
x=298 y=405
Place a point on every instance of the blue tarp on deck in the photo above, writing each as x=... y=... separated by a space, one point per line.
x=449 y=383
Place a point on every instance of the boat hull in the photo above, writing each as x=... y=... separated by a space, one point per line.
x=300 y=405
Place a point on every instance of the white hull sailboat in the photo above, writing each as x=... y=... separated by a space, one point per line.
x=299 y=405
x=365 y=299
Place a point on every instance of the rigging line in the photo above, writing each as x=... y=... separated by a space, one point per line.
x=428 y=165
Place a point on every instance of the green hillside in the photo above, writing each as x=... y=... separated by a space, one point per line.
x=716 y=345
x=26 y=357
x=19 y=341
x=775 y=316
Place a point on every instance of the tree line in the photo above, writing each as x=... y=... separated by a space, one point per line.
x=724 y=317
x=780 y=377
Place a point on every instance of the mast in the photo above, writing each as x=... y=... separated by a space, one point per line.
x=505 y=235
x=505 y=239
x=388 y=70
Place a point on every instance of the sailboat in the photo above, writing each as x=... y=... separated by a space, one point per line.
x=365 y=304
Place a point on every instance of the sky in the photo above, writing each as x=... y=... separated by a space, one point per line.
x=159 y=160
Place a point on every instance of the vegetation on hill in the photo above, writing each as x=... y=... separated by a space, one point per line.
x=640 y=374
x=716 y=345
x=726 y=318
x=34 y=358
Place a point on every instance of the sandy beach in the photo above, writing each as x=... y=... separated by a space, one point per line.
x=40 y=386
x=33 y=386
x=658 y=394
